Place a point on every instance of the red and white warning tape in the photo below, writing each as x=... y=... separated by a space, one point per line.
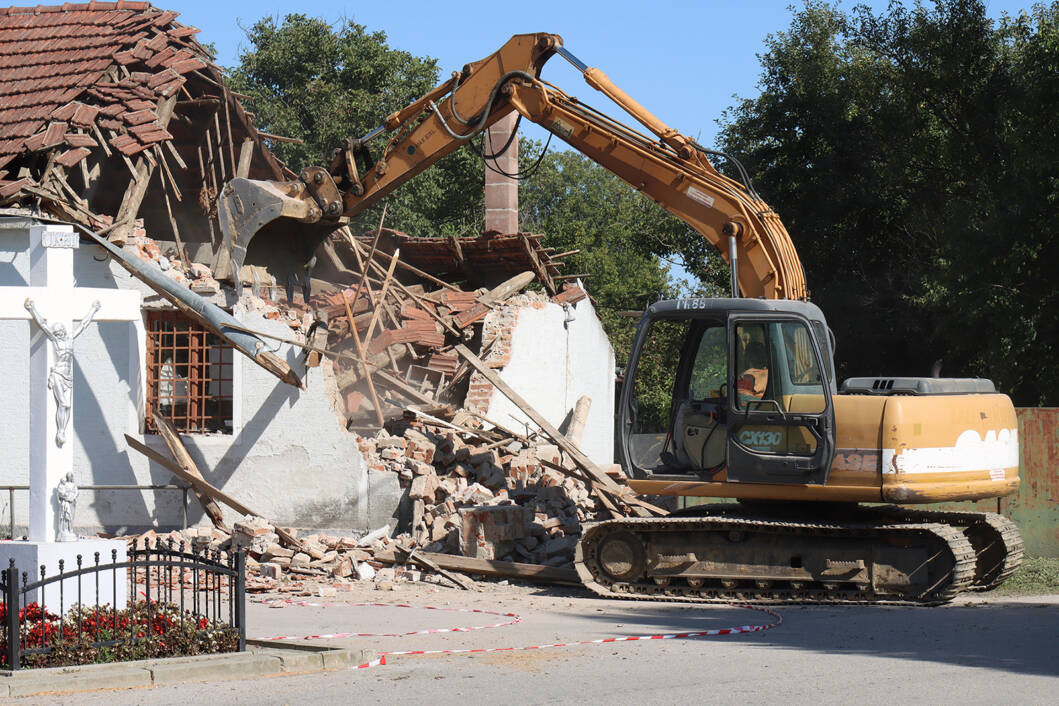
x=605 y=640
x=381 y=660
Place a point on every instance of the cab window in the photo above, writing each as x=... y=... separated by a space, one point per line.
x=709 y=372
x=776 y=368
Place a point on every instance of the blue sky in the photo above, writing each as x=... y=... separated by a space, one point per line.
x=684 y=61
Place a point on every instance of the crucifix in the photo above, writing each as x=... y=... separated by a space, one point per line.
x=53 y=303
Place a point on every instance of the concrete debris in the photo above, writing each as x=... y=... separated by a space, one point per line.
x=523 y=504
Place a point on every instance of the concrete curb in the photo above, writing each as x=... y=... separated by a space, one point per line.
x=262 y=659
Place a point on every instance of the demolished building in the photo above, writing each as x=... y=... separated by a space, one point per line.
x=288 y=395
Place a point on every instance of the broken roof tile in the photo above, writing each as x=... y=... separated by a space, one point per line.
x=160 y=58
x=162 y=77
x=67 y=111
x=71 y=157
x=165 y=18
x=167 y=89
x=188 y=65
x=139 y=117
x=141 y=51
x=125 y=57
x=123 y=142
x=80 y=139
x=54 y=135
x=35 y=142
x=150 y=132
x=10 y=188
x=158 y=41
x=136 y=78
x=85 y=115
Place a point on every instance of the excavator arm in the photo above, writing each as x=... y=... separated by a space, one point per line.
x=669 y=168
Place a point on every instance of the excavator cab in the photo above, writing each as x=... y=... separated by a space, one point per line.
x=736 y=390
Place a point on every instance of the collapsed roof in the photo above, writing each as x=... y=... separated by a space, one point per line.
x=105 y=107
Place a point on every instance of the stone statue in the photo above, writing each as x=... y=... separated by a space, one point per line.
x=61 y=375
x=67 y=493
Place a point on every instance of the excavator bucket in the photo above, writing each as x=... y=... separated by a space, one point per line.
x=247 y=206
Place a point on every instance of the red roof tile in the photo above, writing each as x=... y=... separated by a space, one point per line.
x=57 y=69
x=163 y=56
x=150 y=132
x=138 y=117
x=10 y=188
x=71 y=157
x=183 y=67
x=67 y=111
x=80 y=139
x=54 y=135
x=53 y=67
x=85 y=115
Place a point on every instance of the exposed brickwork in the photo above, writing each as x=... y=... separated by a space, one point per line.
x=501 y=192
x=498 y=329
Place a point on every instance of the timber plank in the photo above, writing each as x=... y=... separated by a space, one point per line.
x=491 y=567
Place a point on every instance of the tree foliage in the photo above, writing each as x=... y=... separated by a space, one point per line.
x=914 y=157
x=321 y=83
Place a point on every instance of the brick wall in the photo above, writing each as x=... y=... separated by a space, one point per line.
x=498 y=327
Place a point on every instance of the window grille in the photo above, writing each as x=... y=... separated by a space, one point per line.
x=189 y=375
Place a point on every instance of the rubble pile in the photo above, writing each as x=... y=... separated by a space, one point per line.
x=472 y=492
x=495 y=500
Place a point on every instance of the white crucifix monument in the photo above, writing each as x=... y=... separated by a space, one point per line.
x=58 y=313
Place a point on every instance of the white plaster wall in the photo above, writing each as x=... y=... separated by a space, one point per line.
x=554 y=362
x=289 y=457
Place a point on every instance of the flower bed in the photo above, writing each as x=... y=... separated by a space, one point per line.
x=97 y=634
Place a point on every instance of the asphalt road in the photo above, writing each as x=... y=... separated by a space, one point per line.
x=978 y=650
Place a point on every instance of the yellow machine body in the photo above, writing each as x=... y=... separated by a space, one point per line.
x=895 y=449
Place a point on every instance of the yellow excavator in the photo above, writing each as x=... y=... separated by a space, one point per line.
x=822 y=473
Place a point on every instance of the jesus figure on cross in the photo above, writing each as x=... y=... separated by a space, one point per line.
x=61 y=375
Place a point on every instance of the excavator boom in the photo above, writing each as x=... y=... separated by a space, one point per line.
x=670 y=168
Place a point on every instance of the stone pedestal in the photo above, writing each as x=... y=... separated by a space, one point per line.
x=29 y=556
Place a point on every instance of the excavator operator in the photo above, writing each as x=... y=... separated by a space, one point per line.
x=754 y=379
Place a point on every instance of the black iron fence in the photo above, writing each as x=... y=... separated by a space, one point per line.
x=177 y=600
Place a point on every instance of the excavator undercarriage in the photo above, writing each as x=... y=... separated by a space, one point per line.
x=739 y=552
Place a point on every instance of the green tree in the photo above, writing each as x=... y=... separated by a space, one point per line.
x=322 y=83
x=912 y=156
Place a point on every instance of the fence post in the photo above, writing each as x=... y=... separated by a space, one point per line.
x=14 y=635
x=240 y=597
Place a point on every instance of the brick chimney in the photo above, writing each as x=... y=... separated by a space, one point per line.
x=501 y=192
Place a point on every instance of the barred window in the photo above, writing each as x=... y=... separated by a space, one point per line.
x=189 y=375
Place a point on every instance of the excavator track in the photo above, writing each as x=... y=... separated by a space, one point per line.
x=735 y=556
x=996 y=540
